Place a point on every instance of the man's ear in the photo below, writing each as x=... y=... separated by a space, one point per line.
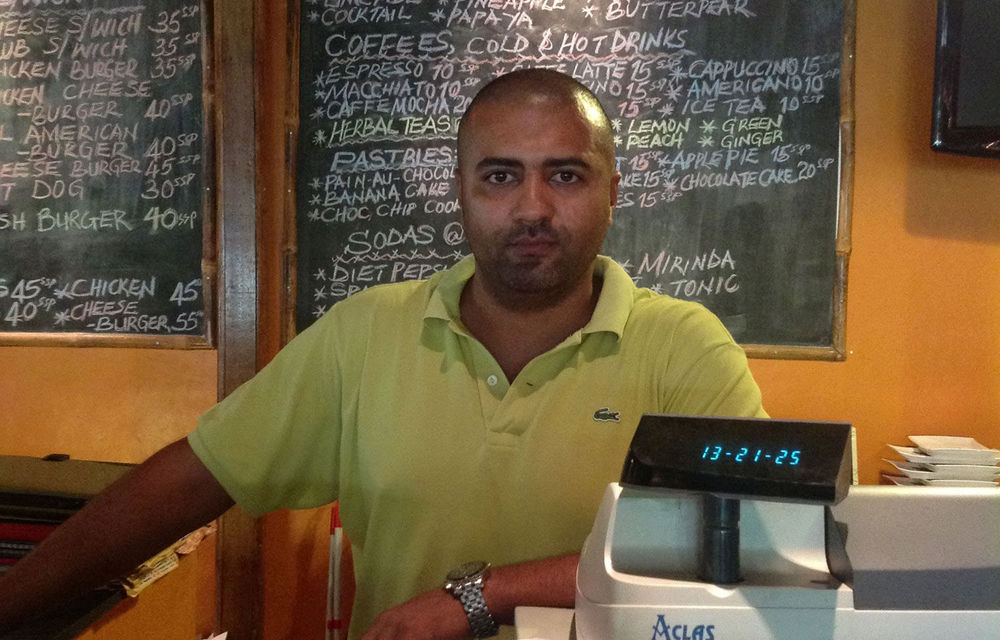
x=615 y=180
x=461 y=198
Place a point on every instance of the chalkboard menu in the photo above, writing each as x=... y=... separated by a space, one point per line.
x=102 y=170
x=727 y=115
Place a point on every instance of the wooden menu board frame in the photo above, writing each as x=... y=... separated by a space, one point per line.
x=205 y=339
x=832 y=348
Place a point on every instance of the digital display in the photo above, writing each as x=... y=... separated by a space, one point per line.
x=751 y=454
x=780 y=459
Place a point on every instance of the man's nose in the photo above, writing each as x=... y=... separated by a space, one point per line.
x=534 y=200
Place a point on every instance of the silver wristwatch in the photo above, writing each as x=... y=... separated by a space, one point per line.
x=465 y=583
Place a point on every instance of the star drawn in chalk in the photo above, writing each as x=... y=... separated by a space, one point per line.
x=616 y=124
x=626 y=265
x=317 y=113
x=318 y=313
x=706 y=141
x=319 y=137
x=656 y=288
x=314 y=214
x=316 y=199
x=662 y=161
x=319 y=294
x=315 y=183
x=589 y=11
x=319 y=94
x=674 y=93
x=708 y=127
x=313 y=16
x=618 y=140
x=677 y=75
x=61 y=318
x=438 y=15
x=320 y=274
x=666 y=110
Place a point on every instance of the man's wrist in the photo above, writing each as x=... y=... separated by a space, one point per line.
x=465 y=584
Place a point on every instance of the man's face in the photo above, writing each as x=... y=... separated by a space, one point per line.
x=537 y=192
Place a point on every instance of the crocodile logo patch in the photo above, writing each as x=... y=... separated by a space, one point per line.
x=607 y=415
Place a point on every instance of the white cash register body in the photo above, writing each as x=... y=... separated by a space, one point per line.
x=731 y=529
x=935 y=577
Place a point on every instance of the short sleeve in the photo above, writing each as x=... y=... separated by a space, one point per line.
x=274 y=442
x=708 y=373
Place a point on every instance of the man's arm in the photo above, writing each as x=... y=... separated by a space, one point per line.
x=436 y=615
x=147 y=510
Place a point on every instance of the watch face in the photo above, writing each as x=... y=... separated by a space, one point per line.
x=466 y=570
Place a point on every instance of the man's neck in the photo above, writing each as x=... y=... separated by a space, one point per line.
x=517 y=335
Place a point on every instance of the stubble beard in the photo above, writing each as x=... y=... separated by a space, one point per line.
x=530 y=282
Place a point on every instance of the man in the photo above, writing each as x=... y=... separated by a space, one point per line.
x=476 y=416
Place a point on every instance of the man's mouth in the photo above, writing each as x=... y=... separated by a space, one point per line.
x=533 y=244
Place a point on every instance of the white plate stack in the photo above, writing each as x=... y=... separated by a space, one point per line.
x=949 y=461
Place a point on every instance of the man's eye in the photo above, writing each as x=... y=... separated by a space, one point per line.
x=565 y=177
x=499 y=177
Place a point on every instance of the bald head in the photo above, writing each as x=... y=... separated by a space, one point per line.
x=544 y=87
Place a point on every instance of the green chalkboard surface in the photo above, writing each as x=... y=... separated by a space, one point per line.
x=103 y=152
x=730 y=141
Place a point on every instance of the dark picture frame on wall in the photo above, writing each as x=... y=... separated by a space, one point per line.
x=966 y=108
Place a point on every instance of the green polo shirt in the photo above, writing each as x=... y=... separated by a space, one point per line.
x=388 y=404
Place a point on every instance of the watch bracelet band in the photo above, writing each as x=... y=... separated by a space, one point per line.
x=481 y=623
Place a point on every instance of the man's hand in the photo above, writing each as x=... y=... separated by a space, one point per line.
x=434 y=615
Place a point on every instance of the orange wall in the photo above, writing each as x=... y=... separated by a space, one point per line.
x=923 y=304
x=117 y=405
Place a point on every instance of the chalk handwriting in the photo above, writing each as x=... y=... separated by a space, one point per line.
x=101 y=166
x=695 y=120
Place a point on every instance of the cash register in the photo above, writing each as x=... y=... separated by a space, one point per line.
x=745 y=529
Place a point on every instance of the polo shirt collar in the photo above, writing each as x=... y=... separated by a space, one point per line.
x=615 y=302
x=610 y=315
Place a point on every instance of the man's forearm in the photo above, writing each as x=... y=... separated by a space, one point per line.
x=550 y=582
x=155 y=504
